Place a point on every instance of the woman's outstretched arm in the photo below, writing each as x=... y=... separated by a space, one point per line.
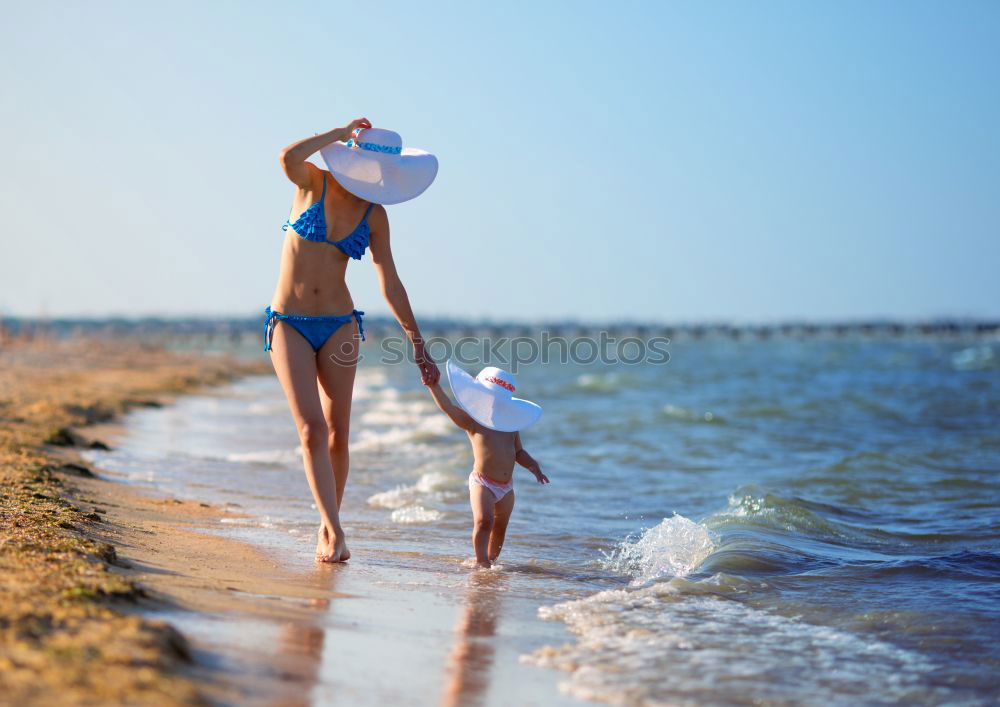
x=395 y=293
x=293 y=158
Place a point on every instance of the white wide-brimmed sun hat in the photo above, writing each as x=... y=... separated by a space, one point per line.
x=375 y=166
x=489 y=398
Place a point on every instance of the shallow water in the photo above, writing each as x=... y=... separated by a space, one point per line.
x=777 y=521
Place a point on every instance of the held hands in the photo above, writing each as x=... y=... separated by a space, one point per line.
x=429 y=373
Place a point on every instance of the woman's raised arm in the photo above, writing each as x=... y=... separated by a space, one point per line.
x=395 y=294
x=293 y=158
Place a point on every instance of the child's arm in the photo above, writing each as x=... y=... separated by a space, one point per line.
x=457 y=415
x=522 y=457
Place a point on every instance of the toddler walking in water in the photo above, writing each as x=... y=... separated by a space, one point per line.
x=492 y=418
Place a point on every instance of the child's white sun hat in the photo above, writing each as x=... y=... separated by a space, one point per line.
x=375 y=166
x=489 y=399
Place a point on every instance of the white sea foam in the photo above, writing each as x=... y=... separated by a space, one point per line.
x=431 y=485
x=267 y=408
x=371 y=376
x=372 y=384
x=629 y=639
x=673 y=548
x=975 y=358
x=416 y=514
x=399 y=412
x=267 y=456
x=250 y=522
x=602 y=382
x=423 y=429
x=680 y=413
x=394 y=498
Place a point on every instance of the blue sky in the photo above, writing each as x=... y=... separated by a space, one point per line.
x=658 y=161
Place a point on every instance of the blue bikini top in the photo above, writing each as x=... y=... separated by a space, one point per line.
x=311 y=226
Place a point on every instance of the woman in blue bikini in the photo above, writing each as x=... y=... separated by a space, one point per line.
x=312 y=329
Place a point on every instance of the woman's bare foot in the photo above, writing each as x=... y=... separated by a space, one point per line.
x=328 y=550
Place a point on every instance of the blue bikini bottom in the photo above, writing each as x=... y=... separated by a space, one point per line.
x=315 y=330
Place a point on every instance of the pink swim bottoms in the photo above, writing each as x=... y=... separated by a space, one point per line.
x=497 y=489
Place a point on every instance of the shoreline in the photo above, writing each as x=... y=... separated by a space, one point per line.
x=189 y=573
x=70 y=629
x=284 y=630
x=181 y=610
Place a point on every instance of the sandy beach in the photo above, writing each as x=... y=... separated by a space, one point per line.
x=73 y=626
x=118 y=593
x=184 y=572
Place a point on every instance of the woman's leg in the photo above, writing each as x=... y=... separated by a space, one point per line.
x=337 y=363
x=295 y=365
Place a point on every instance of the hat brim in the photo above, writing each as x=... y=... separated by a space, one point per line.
x=379 y=177
x=489 y=409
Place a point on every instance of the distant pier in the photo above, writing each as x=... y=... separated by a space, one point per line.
x=229 y=333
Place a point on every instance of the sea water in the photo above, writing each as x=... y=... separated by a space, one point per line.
x=775 y=521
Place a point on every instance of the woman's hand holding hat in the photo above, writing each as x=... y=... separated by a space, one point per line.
x=349 y=129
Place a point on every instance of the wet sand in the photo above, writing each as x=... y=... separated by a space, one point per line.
x=265 y=630
x=169 y=606
x=236 y=598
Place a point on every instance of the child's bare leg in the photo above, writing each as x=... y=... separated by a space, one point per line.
x=501 y=516
x=482 y=501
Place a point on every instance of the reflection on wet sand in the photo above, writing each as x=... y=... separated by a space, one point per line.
x=471 y=659
x=301 y=642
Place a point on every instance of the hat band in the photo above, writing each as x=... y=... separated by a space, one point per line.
x=501 y=383
x=373 y=147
